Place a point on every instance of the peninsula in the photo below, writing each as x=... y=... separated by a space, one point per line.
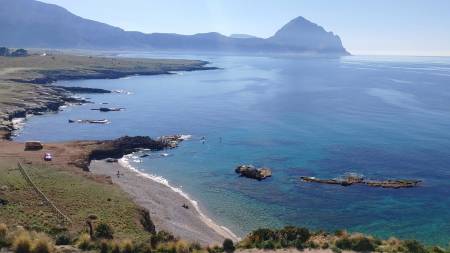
x=26 y=82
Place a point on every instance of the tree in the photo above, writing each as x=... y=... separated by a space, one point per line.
x=4 y=51
x=228 y=246
x=19 y=53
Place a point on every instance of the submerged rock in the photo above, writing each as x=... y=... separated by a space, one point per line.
x=251 y=172
x=352 y=179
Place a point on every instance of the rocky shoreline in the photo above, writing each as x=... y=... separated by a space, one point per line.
x=29 y=80
x=48 y=100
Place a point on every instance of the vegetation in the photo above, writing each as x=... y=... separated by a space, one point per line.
x=4 y=51
x=23 y=241
x=228 y=246
x=302 y=238
x=103 y=230
x=81 y=200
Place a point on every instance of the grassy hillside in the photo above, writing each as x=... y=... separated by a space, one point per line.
x=76 y=194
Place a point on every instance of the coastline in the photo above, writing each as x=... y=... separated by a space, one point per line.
x=26 y=82
x=165 y=203
x=40 y=97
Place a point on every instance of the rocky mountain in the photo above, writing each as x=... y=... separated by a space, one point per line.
x=33 y=24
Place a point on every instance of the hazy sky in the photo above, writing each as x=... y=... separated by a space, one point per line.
x=415 y=27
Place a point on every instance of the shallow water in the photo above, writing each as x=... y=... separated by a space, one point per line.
x=380 y=117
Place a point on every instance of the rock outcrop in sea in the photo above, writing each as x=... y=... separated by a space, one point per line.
x=251 y=171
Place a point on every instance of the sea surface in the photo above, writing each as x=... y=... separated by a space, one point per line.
x=382 y=117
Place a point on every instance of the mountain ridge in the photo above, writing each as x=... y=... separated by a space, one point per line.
x=34 y=24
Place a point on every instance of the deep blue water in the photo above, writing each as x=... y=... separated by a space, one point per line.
x=380 y=117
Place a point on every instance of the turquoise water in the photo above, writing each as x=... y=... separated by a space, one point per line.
x=380 y=117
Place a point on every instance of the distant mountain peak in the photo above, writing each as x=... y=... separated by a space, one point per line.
x=301 y=33
x=34 y=24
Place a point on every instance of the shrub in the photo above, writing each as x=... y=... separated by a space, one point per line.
x=182 y=247
x=344 y=243
x=104 y=247
x=22 y=243
x=103 y=230
x=127 y=246
x=299 y=245
x=84 y=242
x=147 y=222
x=42 y=245
x=228 y=246
x=290 y=233
x=145 y=248
x=4 y=51
x=437 y=250
x=195 y=246
x=268 y=245
x=115 y=247
x=414 y=246
x=362 y=244
x=63 y=239
x=336 y=249
x=3 y=235
x=214 y=249
x=261 y=235
x=168 y=247
x=161 y=237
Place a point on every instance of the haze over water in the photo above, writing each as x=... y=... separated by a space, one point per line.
x=381 y=117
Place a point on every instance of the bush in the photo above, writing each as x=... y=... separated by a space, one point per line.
x=215 y=249
x=4 y=51
x=115 y=247
x=147 y=222
x=127 y=246
x=161 y=237
x=3 y=235
x=228 y=246
x=414 y=246
x=22 y=243
x=362 y=244
x=103 y=230
x=437 y=250
x=104 y=247
x=261 y=235
x=145 y=248
x=42 y=245
x=63 y=239
x=84 y=242
x=290 y=233
x=182 y=247
x=344 y=243
x=195 y=246
x=168 y=247
x=336 y=249
x=268 y=245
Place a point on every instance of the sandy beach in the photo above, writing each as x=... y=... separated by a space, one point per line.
x=165 y=205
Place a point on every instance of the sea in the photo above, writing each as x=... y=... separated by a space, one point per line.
x=380 y=117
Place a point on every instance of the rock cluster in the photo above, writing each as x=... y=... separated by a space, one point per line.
x=251 y=171
x=353 y=179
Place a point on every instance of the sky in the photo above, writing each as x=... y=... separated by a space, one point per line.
x=367 y=27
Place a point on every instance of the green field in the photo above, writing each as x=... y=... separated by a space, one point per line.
x=77 y=195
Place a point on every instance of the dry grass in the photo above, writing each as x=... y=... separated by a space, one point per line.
x=76 y=195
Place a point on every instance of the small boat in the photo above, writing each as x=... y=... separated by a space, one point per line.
x=99 y=121
x=106 y=109
x=94 y=121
